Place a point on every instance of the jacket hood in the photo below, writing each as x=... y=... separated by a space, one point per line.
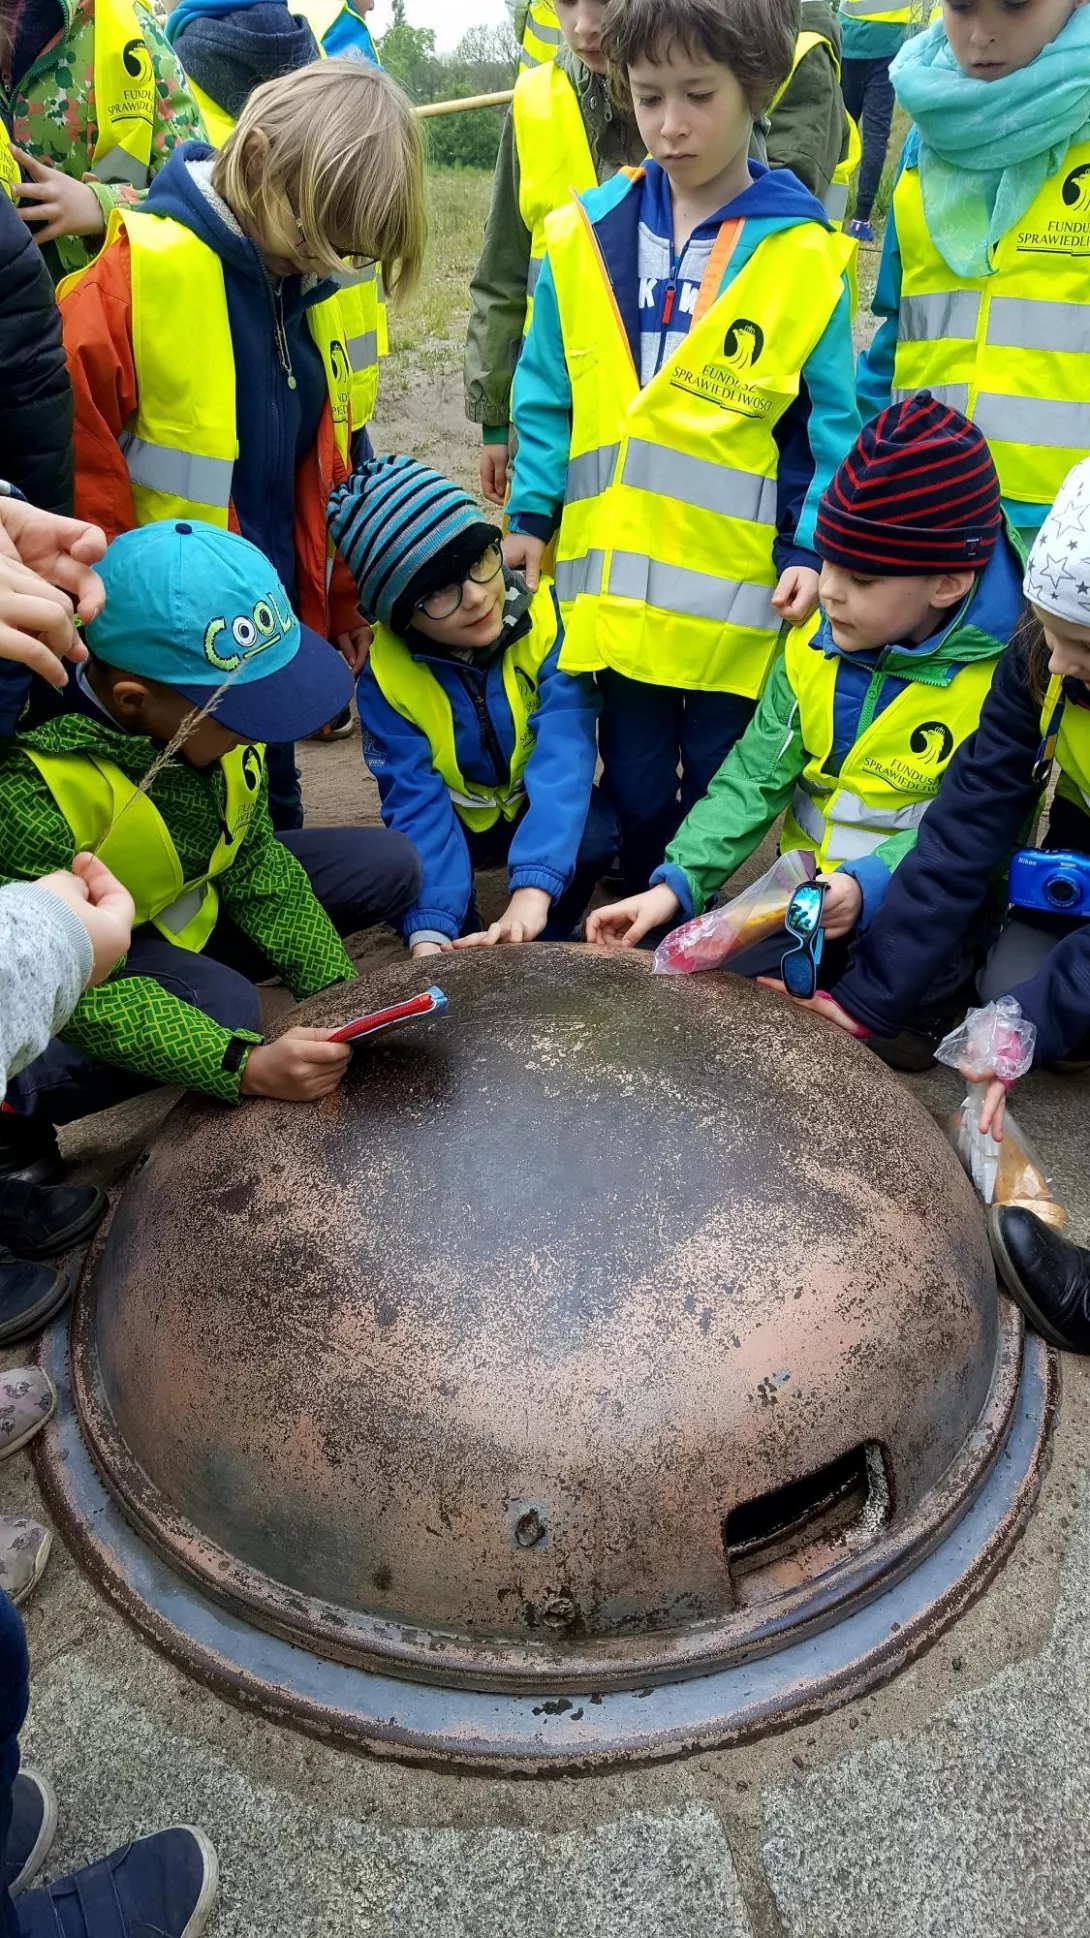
x=774 y=195
x=183 y=189
x=230 y=54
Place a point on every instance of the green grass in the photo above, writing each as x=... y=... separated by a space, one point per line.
x=431 y=326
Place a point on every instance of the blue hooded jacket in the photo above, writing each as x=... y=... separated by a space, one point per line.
x=814 y=433
x=558 y=777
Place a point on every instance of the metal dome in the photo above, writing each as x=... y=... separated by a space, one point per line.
x=605 y=1332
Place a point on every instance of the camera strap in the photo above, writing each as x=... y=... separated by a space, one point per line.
x=1046 y=752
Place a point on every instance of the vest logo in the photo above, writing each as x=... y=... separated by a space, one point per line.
x=341 y=372
x=743 y=344
x=1076 y=189
x=253 y=632
x=251 y=768
x=135 y=59
x=933 y=741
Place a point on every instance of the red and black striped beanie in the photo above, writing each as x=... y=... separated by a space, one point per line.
x=917 y=493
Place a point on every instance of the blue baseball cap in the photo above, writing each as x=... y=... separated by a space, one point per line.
x=193 y=607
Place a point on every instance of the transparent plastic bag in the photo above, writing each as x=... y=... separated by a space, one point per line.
x=709 y=939
x=997 y=1041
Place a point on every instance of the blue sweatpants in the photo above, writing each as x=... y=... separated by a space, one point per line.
x=360 y=875
x=660 y=748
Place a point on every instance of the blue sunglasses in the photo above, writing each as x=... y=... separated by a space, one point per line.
x=799 y=967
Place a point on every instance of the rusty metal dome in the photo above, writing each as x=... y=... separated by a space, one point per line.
x=611 y=1331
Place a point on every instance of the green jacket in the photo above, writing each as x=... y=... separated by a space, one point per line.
x=807 y=132
x=497 y=294
x=758 y=777
x=51 y=114
x=132 y=1021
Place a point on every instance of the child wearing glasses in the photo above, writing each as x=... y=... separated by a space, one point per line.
x=920 y=592
x=484 y=752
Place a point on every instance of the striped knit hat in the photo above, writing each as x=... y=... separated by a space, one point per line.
x=403 y=532
x=916 y=494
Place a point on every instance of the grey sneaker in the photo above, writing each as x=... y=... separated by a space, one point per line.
x=27 y=1398
x=24 y=1551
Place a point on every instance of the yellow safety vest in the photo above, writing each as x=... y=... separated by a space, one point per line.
x=664 y=559
x=895 y=16
x=554 y=155
x=1072 y=750
x=835 y=199
x=9 y=167
x=105 y=813
x=892 y=773
x=541 y=35
x=1009 y=350
x=181 y=446
x=363 y=305
x=125 y=94
x=412 y=689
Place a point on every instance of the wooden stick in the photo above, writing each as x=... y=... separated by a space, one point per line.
x=500 y=100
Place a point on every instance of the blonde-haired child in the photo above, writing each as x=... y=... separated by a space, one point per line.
x=212 y=363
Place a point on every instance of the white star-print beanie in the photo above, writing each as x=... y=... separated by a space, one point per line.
x=1058 y=569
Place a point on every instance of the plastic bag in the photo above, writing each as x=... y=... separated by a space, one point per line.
x=998 y=1041
x=708 y=940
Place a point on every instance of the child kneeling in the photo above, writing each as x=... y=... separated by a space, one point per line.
x=193 y=615
x=482 y=749
x=920 y=593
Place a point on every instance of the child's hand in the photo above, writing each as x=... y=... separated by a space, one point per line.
x=62 y=550
x=494 y=472
x=103 y=905
x=300 y=1066
x=62 y=206
x=354 y=647
x=429 y=949
x=821 y=1004
x=843 y=904
x=36 y=623
x=522 y=921
x=524 y=554
x=994 y=1109
x=796 y=596
x=620 y=925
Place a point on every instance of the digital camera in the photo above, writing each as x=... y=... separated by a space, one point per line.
x=1052 y=880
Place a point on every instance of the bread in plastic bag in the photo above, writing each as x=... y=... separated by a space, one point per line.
x=708 y=940
x=997 y=1041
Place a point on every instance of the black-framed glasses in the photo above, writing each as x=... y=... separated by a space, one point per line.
x=444 y=603
x=799 y=967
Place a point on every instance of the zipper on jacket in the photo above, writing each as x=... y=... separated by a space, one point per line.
x=500 y=767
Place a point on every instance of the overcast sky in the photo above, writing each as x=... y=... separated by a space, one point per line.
x=450 y=18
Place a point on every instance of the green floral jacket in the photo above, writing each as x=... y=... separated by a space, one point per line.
x=50 y=113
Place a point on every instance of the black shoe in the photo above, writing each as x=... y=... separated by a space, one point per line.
x=31 y=1831
x=164 y=1885
x=29 y=1149
x=336 y=729
x=29 y=1296
x=908 y=1050
x=40 y=1221
x=1046 y=1274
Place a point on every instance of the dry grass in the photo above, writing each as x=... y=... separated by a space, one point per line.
x=430 y=329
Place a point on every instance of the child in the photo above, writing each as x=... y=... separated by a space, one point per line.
x=563 y=134
x=920 y=592
x=248 y=419
x=228 y=51
x=340 y=27
x=872 y=32
x=219 y=899
x=807 y=128
x=537 y=30
x=96 y=103
x=985 y=272
x=682 y=408
x=483 y=751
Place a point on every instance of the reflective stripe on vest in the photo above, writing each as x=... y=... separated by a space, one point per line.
x=125 y=95
x=869 y=10
x=9 y=167
x=892 y=773
x=664 y=558
x=411 y=688
x=541 y=35
x=554 y=156
x=1072 y=746
x=1010 y=349
x=181 y=447
x=105 y=813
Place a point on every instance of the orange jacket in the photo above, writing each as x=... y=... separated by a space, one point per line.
x=96 y=316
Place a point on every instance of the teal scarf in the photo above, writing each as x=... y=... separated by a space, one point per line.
x=988 y=147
